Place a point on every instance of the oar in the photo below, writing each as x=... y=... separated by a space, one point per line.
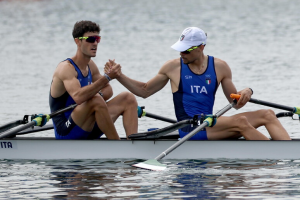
x=153 y=164
x=35 y=122
x=162 y=131
x=142 y=112
x=295 y=110
x=10 y=125
x=154 y=116
x=36 y=129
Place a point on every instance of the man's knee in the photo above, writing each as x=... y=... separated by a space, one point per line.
x=269 y=115
x=266 y=115
x=129 y=98
x=97 y=102
x=242 y=123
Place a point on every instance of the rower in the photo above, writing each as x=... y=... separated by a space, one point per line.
x=195 y=78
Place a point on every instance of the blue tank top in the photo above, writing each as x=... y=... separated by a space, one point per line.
x=66 y=100
x=196 y=93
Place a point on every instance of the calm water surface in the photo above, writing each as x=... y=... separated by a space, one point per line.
x=116 y=179
x=258 y=39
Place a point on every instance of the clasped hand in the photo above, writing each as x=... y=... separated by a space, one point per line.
x=112 y=69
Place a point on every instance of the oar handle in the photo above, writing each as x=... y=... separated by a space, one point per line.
x=12 y=133
x=265 y=103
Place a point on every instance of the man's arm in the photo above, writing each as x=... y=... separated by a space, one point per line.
x=224 y=72
x=140 y=88
x=68 y=76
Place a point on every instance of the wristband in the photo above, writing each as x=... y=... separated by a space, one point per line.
x=251 y=90
x=107 y=77
x=101 y=94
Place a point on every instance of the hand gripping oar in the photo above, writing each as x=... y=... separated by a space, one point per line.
x=153 y=164
x=142 y=113
x=295 y=110
x=36 y=122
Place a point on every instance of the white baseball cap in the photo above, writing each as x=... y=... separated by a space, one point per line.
x=191 y=36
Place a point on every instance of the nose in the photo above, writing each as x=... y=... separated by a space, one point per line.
x=181 y=54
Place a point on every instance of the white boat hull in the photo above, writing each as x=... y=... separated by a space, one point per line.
x=34 y=148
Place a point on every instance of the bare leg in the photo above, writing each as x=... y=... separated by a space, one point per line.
x=125 y=104
x=245 y=124
x=234 y=127
x=268 y=119
x=95 y=110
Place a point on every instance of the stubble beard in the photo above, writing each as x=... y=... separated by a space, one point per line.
x=188 y=62
x=89 y=55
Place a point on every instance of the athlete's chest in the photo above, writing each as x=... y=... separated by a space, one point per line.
x=84 y=77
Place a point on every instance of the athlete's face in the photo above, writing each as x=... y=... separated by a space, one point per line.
x=188 y=58
x=192 y=54
x=87 y=47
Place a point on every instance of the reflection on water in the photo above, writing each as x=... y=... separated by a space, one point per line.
x=118 y=179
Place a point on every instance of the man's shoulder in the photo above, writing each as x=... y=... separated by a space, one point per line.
x=170 y=68
x=221 y=64
x=64 y=64
x=173 y=63
x=222 y=68
x=219 y=61
x=64 y=68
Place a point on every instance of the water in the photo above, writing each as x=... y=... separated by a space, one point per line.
x=115 y=179
x=258 y=39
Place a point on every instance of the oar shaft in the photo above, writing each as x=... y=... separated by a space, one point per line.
x=162 y=131
x=13 y=132
x=265 y=103
x=62 y=110
x=154 y=116
x=274 y=105
x=10 y=125
x=177 y=144
x=192 y=133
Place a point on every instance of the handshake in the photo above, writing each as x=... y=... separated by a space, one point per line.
x=112 y=69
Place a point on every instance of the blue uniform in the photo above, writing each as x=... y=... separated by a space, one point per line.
x=195 y=95
x=64 y=126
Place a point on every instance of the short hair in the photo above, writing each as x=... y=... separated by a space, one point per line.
x=82 y=27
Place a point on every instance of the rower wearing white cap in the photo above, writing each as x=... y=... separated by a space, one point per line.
x=195 y=78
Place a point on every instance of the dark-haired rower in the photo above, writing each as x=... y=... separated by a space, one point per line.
x=78 y=80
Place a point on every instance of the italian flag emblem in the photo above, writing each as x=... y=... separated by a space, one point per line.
x=208 y=81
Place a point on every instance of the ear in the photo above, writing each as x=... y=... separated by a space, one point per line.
x=77 y=41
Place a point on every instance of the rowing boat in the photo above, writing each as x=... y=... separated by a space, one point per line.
x=144 y=145
x=50 y=148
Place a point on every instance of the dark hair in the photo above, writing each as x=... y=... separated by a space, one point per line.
x=82 y=27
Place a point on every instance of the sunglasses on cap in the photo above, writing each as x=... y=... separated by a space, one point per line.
x=91 y=39
x=190 y=49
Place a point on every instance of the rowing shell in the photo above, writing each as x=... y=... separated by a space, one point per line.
x=50 y=148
